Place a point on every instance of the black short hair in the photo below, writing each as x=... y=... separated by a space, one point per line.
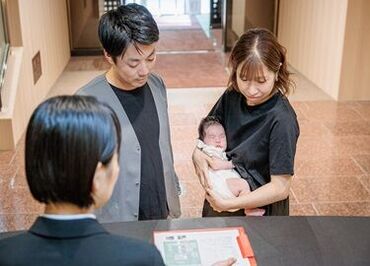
x=66 y=138
x=205 y=123
x=127 y=24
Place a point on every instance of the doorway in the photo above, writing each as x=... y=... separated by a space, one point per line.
x=177 y=16
x=241 y=15
x=83 y=16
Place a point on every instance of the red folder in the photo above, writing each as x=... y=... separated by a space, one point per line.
x=245 y=247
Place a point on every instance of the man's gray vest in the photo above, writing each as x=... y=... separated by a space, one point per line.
x=124 y=203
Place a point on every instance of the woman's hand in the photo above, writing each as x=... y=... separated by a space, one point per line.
x=276 y=190
x=218 y=164
x=200 y=161
x=217 y=203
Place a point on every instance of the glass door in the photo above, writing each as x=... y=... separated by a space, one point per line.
x=84 y=17
x=4 y=47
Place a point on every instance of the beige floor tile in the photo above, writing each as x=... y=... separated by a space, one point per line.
x=193 y=195
x=363 y=109
x=191 y=70
x=365 y=181
x=6 y=157
x=8 y=174
x=292 y=197
x=313 y=147
x=312 y=167
x=191 y=212
x=19 y=221
x=331 y=111
x=183 y=150
x=302 y=210
x=184 y=40
x=363 y=161
x=179 y=22
x=329 y=189
x=349 y=145
x=185 y=172
x=313 y=128
x=18 y=200
x=178 y=119
x=185 y=132
x=344 y=208
x=349 y=128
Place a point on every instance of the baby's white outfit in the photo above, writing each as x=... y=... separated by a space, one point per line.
x=218 y=178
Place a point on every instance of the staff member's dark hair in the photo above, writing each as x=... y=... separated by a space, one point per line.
x=66 y=138
x=128 y=24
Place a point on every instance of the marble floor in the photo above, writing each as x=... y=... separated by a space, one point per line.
x=332 y=168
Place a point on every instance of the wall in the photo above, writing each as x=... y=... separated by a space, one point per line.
x=44 y=28
x=247 y=14
x=313 y=33
x=80 y=12
x=260 y=13
x=238 y=17
x=355 y=77
x=13 y=23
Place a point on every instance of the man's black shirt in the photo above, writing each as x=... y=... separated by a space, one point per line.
x=140 y=108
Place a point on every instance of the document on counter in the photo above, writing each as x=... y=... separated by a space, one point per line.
x=204 y=247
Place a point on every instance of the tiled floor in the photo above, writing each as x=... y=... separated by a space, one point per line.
x=333 y=154
x=189 y=70
x=185 y=40
x=179 y=22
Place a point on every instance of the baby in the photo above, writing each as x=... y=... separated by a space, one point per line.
x=227 y=183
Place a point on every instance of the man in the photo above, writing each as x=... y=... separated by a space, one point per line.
x=147 y=186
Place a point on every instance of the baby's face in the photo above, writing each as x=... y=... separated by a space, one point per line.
x=215 y=136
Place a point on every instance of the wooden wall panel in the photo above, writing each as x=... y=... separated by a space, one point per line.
x=238 y=17
x=313 y=33
x=355 y=77
x=44 y=28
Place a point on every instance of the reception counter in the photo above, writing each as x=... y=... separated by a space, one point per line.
x=277 y=240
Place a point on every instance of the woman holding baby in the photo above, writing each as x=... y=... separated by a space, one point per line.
x=261 y=129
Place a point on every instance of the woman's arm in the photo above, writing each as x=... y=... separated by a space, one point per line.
x=276 y=190
x=200 y=161
x=218 y=164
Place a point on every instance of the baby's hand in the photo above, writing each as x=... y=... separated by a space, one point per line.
x=218 y=164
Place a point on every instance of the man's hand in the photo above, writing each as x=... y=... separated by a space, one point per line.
x=201 y=167
x=228 y=262
x=218 y=164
